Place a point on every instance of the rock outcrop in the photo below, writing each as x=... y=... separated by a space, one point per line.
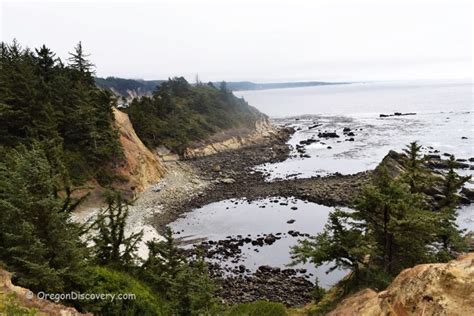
x=426 y=289
x=394 y=163
x=24 y=298
x=141 y=167
x=231 y=139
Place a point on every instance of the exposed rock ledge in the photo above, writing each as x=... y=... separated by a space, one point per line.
x=232 y=139
x=25 y=298
x=426 y=289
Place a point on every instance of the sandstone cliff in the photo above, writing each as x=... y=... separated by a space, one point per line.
x=231 y=139
x=23 y=299
x=426 y=289
x=141 y=167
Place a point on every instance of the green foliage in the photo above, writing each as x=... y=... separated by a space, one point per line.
x=451 y=185
x=339 y=243
x=111 y=245
x=184 y=283
x=109 y=281
x=179 y=114
x=392 y=227
x=42 y=99
x=10 y=306
x=38 y=241
x=416 y=174
x=258 y=308
x=398 y=223
x=449 y=235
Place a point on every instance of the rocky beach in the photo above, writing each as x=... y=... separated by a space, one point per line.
x=231 y=175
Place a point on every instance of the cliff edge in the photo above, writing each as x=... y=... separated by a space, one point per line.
x=426 y=289
x=141 y=167
x=233 y=138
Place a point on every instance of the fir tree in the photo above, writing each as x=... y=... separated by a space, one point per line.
x=78 y=60
x=398 y=223
x=184 y=283
x=416 y=174
x=340 y=243
x=112 y=246
x=38 y=240
x=449 y=234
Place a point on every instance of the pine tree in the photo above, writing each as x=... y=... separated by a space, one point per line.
x=416 y=174
x=340 y=243
x=79 y=62
x=165 y=261
x=112 y=246
x=184 y=283
x=449 y=234
x=389 y=230
x=38 y=240
x=397 y=221
x=46 y=62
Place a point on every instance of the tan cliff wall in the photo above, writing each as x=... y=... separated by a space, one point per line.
x=141 y=167
x=232 y=139
x=426 y=289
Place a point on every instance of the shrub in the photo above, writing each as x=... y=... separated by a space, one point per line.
x=105 y=280
x=258 y=308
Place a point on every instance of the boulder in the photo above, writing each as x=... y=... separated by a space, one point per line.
x=328 y=135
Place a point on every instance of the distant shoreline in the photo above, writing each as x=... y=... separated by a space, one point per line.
x=139 y=87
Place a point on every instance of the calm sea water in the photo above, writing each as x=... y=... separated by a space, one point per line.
x=364 y=98
x=443 y=124
x=218 y=220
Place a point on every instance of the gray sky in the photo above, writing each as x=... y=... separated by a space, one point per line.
x=254 y=40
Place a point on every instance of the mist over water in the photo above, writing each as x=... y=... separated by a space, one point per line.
x=365 y=98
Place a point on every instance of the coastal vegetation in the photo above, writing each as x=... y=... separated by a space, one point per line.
x=395 y=224
x=57 y=132
x=178 y=114
x=42 y=99
x=139 y=87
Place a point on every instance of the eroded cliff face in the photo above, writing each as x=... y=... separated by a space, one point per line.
x=141 y=167
x=426 y=289
x=232 y=139
x=23 y=298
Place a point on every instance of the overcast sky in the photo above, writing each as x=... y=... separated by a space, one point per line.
x=254 y=40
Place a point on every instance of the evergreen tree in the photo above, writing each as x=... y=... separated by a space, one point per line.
x=389 y=230
x=416 y=174
x=38 y=240
x=78 y=61
x=451 y=184
x=165 y=261
x=41 y=99
x=398 y=223
x=185 y=284
x=340 y=243
x=112 y=246
x=449 y=234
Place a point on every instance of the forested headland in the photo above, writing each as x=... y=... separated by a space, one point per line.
x=57 y=132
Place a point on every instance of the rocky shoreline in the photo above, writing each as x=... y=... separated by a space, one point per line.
x=230 y=174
